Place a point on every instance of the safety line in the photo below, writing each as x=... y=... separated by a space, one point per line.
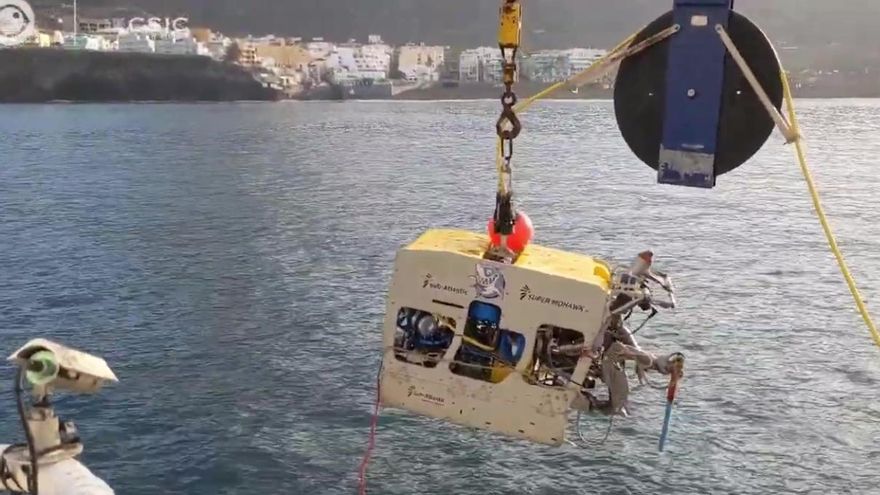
x=820 y=212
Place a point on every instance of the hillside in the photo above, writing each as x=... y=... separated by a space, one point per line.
x=834 y=32
x=40 y=75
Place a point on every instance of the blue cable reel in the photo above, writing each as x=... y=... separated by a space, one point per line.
x=684 y=107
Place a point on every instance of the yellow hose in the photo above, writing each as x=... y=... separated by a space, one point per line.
x=832 y=242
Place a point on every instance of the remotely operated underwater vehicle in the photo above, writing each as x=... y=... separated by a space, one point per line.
x=508 y=347
x=490 y=332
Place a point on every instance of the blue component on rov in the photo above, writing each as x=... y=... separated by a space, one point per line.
x=694 y=85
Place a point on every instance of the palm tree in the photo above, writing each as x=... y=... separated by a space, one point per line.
x=233 y=53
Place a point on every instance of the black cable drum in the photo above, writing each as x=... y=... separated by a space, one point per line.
x=744 y=126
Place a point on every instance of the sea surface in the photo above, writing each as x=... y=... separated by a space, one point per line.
x=230 y=261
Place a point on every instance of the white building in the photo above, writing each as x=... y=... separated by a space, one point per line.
x=556 y=65
x=547 y=66
x=181 y=46
x=339 y=60
x=350 y=62
x=481 y=64
x=136 y=42
x=218 y=46
x=420 y=62
x=581 y=58
x=375 y=56
x=318 y=48
x=153 y=38
x=354 y=61
x=87 y=42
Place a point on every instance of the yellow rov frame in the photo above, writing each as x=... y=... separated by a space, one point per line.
x=443 y=274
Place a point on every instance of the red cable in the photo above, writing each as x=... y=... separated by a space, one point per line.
x=362 y=477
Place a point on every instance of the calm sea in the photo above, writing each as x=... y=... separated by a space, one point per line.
x=230 y=262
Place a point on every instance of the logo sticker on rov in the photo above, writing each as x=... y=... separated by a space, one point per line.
x=526 y=294
x=425 y=397
x=429 y=282
x=17 y=22
x=489 y=281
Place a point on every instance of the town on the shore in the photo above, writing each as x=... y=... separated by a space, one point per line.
x=316 y=68
x=364 y=68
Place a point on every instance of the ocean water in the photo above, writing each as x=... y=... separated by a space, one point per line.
x=230 y=262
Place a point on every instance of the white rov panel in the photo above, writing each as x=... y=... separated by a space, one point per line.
x=456 y=326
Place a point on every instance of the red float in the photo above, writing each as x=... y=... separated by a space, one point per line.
x=523 y=231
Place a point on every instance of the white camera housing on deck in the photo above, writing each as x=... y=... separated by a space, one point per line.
x=49 y=456
x=77 y=371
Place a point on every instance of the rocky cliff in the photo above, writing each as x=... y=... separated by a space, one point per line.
x=39 y=75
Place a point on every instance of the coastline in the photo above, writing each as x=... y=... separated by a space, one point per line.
x=837 y=86
x=42 y=75
x=65 y=77
x=832 y=88
x=523 y=89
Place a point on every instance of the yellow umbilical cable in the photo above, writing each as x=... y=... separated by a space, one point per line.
x=820 y=212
